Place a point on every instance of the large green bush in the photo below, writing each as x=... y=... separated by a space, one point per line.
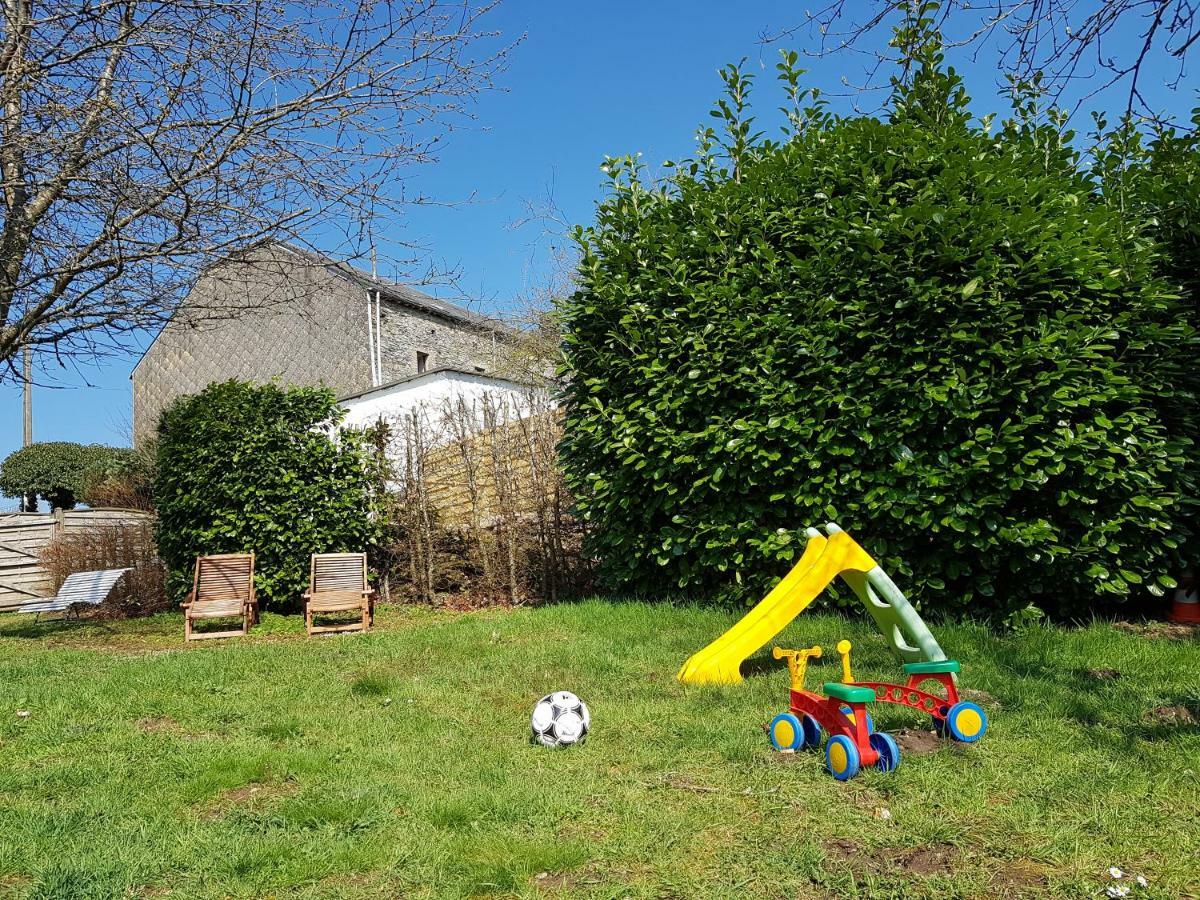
x=244 y=467
x=55 y=471
x=1151 y=180
x=920 y=327
x=1156 y=184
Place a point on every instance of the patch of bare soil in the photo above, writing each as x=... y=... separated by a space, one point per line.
x=1170 y=630
x=841 y=848
x=169 y=725
x=242 y=794
x=926 y=860
x=1021 y=878
x=567 y=882
x=1175 y=716
x=15 y=881
x=918 y=742
x=254 y=795
x=149 y=891
x=789 y=758
x=158 y=724
x=1104 y=674
x=848 y=853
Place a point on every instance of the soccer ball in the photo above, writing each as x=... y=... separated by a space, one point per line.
x=559 y=720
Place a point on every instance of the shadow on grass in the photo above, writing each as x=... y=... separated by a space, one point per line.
x=47 y=627
x=762 y=664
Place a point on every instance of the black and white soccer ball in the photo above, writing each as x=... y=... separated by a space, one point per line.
x=559 y=720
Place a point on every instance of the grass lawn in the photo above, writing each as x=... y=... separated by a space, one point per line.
x=396 y=764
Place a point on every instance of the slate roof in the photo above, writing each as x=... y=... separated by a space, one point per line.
x=400 y=293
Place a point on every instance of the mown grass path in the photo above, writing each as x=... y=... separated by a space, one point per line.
x=396 y=764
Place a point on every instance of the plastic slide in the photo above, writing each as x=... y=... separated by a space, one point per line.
x=824 y=559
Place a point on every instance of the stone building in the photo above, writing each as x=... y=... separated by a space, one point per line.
x=279 y=312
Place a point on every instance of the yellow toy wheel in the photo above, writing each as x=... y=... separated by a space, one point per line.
x=842 y=758
x=786 y=732
x=966 y=722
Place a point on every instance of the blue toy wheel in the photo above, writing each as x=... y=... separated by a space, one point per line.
x=849 y=714
x=841 y=757
x=887 y=748
x=966 y=722
x=812 y=732
x=786 y=732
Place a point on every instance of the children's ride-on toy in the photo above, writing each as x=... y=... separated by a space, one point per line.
x=841 y=712
x=960 y=719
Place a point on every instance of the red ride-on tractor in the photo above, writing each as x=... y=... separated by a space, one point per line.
x=841 y=712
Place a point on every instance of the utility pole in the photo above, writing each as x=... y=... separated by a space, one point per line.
x=28 y=395
x=29 y=501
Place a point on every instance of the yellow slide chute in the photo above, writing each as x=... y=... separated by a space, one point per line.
x=824 y=559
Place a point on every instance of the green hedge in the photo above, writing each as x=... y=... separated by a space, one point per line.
x=56 y=471
x=920 y=327
x=244 y=467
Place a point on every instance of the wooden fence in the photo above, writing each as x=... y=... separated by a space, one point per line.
x=506 y=470
x=23 y=535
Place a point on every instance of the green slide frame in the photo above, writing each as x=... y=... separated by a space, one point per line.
x=901 y=626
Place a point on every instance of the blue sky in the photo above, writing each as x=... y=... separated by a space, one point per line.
x=588 y=80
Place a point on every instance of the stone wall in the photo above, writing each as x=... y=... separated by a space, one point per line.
x=407 y=332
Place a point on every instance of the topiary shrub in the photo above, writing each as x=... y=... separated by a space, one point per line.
x=915 y=326
x=55 y=471
x=244 y=467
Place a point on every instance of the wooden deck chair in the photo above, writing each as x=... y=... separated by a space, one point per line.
x=223 y=588
x=338 y=584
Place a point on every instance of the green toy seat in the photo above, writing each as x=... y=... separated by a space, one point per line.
x=850 y=693
x=941 y=667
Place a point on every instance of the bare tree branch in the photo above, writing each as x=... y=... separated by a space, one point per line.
x=1067 y=43
x=143 y=139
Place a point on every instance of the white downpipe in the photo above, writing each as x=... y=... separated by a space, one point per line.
x=378 y=339
x=371 y=343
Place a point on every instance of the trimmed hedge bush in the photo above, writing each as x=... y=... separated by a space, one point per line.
x=244 y=467
x=56 y=471
x=923 y=330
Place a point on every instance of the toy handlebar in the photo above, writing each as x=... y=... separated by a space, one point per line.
x=797 y=662
x=843 y=649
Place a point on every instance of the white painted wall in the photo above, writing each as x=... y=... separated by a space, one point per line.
x=431 y=397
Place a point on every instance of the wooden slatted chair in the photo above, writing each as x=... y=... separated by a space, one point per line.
x=79 y=589
x=338 y=584
x=223 y=588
